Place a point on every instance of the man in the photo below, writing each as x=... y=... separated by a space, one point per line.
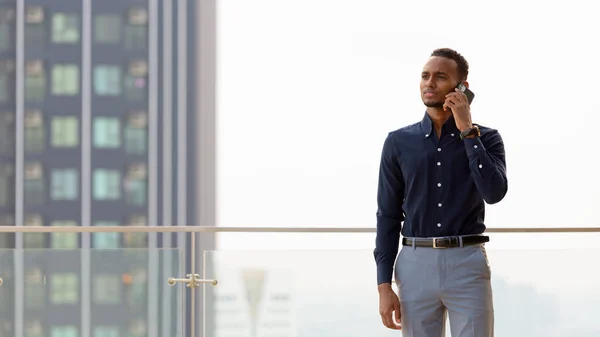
x=434 y=178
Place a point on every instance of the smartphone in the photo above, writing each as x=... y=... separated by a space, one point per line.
x=467 y=91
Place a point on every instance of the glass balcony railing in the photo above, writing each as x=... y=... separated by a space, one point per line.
x=544 y=284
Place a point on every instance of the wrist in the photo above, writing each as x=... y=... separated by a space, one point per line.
x=383 y=287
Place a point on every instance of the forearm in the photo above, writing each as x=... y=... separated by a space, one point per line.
x=488 y=168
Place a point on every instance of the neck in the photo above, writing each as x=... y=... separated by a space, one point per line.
x=438 y=117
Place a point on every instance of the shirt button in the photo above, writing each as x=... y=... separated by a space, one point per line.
x=439 y=225
x=438 y=163
x=480 y=166
x=452 y=134
x=427 y=135
x=439 y=184
x=440 y=204
x=439 y=149
x=475 y=146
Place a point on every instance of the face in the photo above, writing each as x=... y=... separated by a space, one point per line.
x=439 y=78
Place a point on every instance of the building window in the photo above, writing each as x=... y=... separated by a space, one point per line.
x=35 y=288
x=106 y=331
x=107 y=184
x=35 y=81
x=106 y=289
x=65 y=131
x=136 y=29
x=7 y=133
x=135 y=88
x=136 y=134
x=107 y=132
x=107 y=80
x=107 y=28
x=64 y=331
x=34 y=240
x=34 y=184
x=65 y=28
x=64 y=288
x=35 y=29
x=7 y=185
x=135 y=185
x=136 y=240
x=34 y=131
x=7 y=28
x=64 y=240
x=106 y=240
x=65 y=79
x=64 y=184
x=7 y=81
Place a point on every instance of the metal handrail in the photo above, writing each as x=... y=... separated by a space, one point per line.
x=219 y=229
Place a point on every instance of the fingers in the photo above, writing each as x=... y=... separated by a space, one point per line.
x=398 y=316
x=388 y=321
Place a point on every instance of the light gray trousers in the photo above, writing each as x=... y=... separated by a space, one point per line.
x=453 y=282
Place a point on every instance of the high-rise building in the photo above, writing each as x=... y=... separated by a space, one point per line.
x=100 y=109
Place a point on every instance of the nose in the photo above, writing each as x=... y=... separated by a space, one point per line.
x=430 y=83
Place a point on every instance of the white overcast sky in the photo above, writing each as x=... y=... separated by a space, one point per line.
x=308 y=89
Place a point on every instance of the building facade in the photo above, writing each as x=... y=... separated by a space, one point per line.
x=99 y=114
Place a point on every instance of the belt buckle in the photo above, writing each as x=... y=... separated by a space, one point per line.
x=435 y=243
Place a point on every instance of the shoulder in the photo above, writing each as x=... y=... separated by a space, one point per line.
x=489 y=134
x=406 y=131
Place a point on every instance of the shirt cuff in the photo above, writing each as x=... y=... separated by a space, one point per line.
x=384 y=273
x=473 y=146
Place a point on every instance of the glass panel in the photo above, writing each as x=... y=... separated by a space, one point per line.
x=106 y=331
x=65 y=79
x=133 y=281
x=35 y=81
x=107 y=132
x=107 y=289
x=65 y=28
x=65 y=132
x=107 y=80
x=65 y=184
x=537 y=293
x=107 y=28
x=107 y=184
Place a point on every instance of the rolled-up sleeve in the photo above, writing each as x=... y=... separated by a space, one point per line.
x=390 y=215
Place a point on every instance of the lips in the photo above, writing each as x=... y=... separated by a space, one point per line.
x=429 y=94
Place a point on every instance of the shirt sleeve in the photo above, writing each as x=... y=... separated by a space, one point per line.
x=488 y=165
x=390 y=193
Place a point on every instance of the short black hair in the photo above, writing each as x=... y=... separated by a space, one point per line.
x=461 y=62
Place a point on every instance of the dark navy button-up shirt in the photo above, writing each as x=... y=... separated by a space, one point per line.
x=433 y=187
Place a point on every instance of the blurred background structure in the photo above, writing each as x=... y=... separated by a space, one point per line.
x=99 y=126
x=143 y=141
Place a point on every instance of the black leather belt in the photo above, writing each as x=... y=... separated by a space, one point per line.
x=446 y=242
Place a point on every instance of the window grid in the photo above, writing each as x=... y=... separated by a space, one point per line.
x=65 y=288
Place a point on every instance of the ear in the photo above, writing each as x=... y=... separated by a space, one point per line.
x=466 y=84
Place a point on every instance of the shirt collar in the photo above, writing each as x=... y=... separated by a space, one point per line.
x=427 y=125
